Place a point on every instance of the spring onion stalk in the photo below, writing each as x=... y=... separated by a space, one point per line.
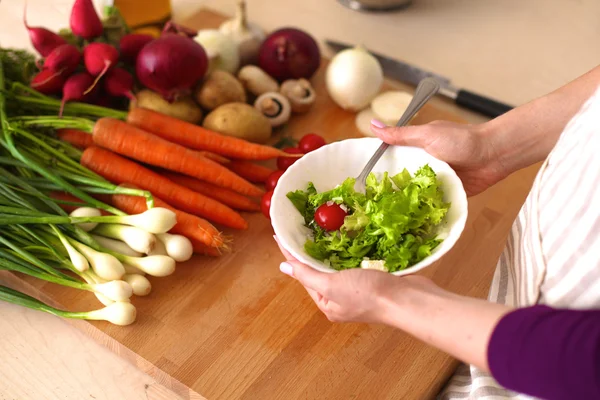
x=178 y=247
x=140 y=284
x=105 y=265
x=86 y=212
x=116 y=246
x=136 y=238
x=155 y=220
x=79 y=261
x=102 y=298
x=152 y=265
x=130 y=269
x=159 y=249
x=118 y=313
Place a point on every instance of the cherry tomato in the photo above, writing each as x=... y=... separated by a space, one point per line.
x=265 y=203
x=311 y=142
x=272 y=179
x=284 y=163
x=330 y=216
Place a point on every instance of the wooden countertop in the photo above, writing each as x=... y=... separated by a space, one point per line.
x=510 y=50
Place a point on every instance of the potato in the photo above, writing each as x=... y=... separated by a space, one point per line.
x=239 y=120
x=220 y=87
x=184 y=109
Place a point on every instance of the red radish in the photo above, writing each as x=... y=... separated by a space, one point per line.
x=65 y=58
x=289 y=53
x=84 y=20
x=77 y=87
x=171 y=65
x=42 y=39
x=118 y=82
x=99 y=57
x=48 y=82
x=131 y=44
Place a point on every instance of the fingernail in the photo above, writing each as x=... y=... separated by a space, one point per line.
x=286 y=268
x=377 y=123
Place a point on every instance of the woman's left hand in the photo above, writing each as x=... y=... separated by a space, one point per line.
x=354 y=295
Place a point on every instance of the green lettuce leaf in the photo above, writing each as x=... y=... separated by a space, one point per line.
x=395 y=220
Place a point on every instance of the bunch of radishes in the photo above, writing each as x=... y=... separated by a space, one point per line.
x=98 y=79
x=98 y=73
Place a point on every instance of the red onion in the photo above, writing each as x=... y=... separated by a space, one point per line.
x=289 y=53
x=171 y=65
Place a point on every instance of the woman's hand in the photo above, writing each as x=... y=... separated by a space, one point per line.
x=354 y=295
x=465 y=148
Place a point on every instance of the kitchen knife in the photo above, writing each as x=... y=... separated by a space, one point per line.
x=413 y=75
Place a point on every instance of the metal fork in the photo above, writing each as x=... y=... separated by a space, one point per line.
x=425 y=90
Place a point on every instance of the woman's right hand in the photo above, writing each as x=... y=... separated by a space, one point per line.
x=464 y=147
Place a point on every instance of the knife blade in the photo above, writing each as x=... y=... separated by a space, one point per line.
x=412 y=75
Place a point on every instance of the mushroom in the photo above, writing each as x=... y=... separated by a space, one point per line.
x=300 y=94
x=275 y=107
x=257 y=81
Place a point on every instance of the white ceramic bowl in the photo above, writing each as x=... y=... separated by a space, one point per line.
x=328 y=166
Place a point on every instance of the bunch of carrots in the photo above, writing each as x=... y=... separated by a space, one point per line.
x=205 y=177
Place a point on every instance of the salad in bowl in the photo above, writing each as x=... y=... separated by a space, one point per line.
x=413 y=211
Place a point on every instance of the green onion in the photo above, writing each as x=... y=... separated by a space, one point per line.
x=118 y=313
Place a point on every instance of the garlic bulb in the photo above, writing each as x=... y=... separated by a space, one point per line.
x=248 y=36
x=222 y=50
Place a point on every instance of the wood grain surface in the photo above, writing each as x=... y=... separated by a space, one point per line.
x=236 y=328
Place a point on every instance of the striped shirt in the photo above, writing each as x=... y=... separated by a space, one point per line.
x=552 y=255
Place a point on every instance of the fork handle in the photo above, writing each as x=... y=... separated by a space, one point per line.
x=426 y=89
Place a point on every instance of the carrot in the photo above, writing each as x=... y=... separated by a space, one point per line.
x=120 y=170
x=198 y=138
x=201 y=248
x=80 y=139
x=214 y=157
x=225 y=196
x=145 y=147
x=250 y=171
x=194 y=228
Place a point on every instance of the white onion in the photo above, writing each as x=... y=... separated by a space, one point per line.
x=390 y=105
x=118 y=313
x=106 y=266
x=136 y=238
x=116 y=246
x=153 y=265
x=86 y=212
x=353 y=78
x=140 y=284
x=154 y=220
x=178 y=247
x=117 y=290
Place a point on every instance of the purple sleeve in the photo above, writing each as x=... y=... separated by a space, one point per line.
x=548 y=353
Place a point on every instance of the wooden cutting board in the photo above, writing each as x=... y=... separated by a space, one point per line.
x=236 y=328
